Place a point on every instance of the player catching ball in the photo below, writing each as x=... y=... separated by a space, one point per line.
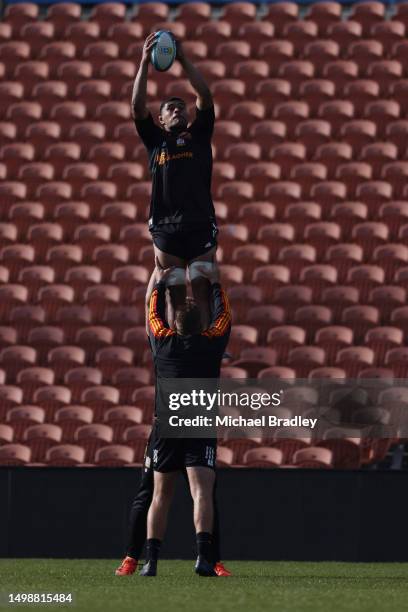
x=182 y=217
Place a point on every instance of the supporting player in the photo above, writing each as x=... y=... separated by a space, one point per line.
x=142 y=500
x=186 y=352
x=182 y=216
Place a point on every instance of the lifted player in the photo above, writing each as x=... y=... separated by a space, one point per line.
x=143 y=498
x=182 y=217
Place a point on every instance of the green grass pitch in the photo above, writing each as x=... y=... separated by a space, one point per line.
x=255 y=586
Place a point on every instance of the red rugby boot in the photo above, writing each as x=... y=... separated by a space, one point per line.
x=221 y=570
x=127 y=567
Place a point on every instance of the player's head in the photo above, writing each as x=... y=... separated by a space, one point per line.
x=188 y=318
x=173 y=115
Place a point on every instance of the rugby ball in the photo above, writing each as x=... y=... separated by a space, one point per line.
x=164 y=51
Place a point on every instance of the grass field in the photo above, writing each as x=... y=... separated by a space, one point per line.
x=255 y=586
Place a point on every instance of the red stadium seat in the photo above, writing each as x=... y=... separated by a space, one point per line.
x=383 y=339
x=14 y=454
x=65 y=358
x=80 y=379
x=22 y=417
x=136 y=437
x=345 y=33
x=91 y=93
x=361 y=92
x=296 y=72
x=307 y=175
x=70 y=418
x=11 y=54
x=313 y=457
x=92 y=437
x=31 y=379
x=213 y=32
x=360 y=319
x=115 y=455
x=353 y=174
x=367 y=14
x=390 y=257
x=94 y=338
x=17 y=15
x=320 y=53
x=340 y=72
x=365 y=278
x=107 y=14
x=40 y=438
x=62 y=15
x=56 y=54
x=324 y=14
x=192 y=14
x=355 y=359
x=150 y=13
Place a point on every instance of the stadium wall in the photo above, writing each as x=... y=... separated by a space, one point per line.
x=265 y=514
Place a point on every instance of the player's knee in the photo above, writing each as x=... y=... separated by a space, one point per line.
x=198 y=270
x=176 y=277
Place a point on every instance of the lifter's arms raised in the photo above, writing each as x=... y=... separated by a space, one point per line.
x=139 y=108
x=197 y=81
x=221 y=318
x=156 y=317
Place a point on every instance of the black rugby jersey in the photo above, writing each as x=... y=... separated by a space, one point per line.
x=181 y=169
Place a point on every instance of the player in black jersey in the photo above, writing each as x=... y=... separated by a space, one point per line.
x=187 y=352
x=182 y=217
x=141 y=502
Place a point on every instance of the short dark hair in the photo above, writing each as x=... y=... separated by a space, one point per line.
x=173 y=99
x=188 y=318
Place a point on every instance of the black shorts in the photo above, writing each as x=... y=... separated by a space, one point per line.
x=174 y=454
x=184 y=243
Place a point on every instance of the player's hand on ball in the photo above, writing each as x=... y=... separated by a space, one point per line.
x=148 y=46
x=179 y=51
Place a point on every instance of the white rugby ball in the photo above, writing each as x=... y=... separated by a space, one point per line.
x=164 y=51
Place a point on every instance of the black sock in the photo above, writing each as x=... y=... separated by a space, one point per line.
x=204 y=545
x=152 y=549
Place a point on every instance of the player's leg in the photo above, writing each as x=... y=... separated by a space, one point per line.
x=176 y=282
x=138 y=516
x=200 y=285
x=201 y=480
x=164 y=483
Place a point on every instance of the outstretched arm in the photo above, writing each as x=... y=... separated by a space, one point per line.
x=197 y=81
x=139 y=108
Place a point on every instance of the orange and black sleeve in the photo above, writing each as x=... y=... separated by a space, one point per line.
x=221 y=322
x=158 y=328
